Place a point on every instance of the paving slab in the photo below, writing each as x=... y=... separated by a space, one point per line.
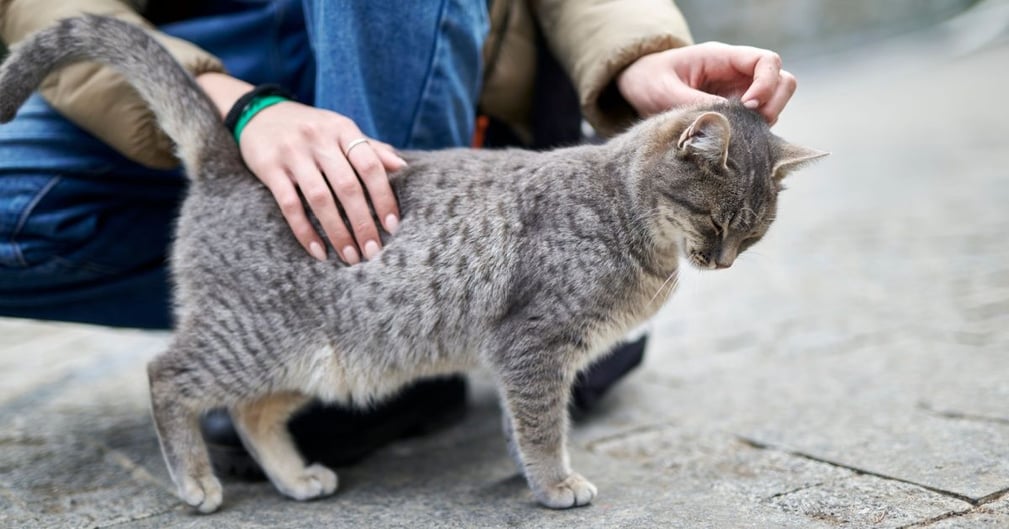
x=990 y=516
x=867 y=501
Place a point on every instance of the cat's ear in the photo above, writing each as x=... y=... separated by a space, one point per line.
x=790 y=157
x=707 y=136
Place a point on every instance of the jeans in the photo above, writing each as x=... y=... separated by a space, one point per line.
x=84 y=232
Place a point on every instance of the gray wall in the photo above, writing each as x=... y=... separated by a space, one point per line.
x=804 y=28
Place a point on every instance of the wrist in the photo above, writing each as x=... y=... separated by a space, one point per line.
x=223 y=90
x=250 y=104
x=247 y=106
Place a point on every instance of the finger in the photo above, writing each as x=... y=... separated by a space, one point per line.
x=352 y=198
x=785 y=90
x=319 y=197
x=371 y=172
x=691 y=96
x=294 y=213
x=765 y=68
x=391 y=159
x=676 y=93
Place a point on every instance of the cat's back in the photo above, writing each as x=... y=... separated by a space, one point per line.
x=468 y=176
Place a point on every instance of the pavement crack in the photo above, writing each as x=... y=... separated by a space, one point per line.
x=979 y=508
x=993 y=496
x=796 y=489
x=936 y=519
x=592 y=446
x=961 y=416
x=138 y=472
x=130 y=519
x=861 y=471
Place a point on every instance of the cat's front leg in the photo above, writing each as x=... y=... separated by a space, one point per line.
x=536 y=407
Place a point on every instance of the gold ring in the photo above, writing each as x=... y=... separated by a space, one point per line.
x=355 y=143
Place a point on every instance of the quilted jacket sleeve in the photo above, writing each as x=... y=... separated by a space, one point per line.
x=596 y=39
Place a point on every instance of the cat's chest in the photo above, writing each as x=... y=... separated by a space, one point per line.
x=642 y=298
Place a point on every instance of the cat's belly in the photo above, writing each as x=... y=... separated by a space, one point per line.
x=331 y=376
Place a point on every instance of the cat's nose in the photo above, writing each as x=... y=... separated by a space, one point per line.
x=725 y=257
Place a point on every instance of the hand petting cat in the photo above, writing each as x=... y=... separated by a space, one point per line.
x=291 y=146
x=707 y=73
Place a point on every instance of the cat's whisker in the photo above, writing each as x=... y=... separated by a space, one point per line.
x=674 y=277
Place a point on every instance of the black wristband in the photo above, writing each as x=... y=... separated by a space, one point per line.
x=231 y=119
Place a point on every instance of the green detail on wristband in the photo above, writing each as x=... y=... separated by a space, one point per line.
x=255 y=107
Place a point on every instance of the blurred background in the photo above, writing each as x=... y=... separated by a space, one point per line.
x=804 y=29
x=801 y=29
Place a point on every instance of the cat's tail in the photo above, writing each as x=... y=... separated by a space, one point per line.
x=182 y=109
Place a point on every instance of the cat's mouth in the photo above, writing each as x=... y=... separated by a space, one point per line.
x=700 y=262
x=697 y=258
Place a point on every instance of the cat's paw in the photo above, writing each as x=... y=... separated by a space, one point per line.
x=575 y=491
x=203 y=492
x=314 y=481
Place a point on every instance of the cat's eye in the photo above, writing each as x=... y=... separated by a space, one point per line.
x=716 y=225
x=733 y=166
x=747 y=242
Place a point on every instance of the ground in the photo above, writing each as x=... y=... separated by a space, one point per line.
x=851 y=370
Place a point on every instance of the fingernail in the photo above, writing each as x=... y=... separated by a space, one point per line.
x=751 y=103
x=317 y=250
x=402 y=162
x=350 y=255
x=391 y=223
x=370 y=249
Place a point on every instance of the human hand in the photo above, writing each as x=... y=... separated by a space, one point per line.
x=291 y=146
x=707 y=72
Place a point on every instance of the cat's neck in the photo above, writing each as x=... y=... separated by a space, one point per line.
x=614 y=169
x=635 y=158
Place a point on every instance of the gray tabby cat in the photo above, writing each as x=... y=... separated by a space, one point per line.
x=529 y=264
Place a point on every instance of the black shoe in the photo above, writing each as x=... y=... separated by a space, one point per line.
x=595 y=381
x=337 y=436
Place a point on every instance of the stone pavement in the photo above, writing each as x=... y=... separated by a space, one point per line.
x=851 y=370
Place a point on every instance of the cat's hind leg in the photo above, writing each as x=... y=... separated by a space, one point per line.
x=262 y=425
x=176 y=408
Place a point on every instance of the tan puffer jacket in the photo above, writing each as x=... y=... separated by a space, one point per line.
x=593 y=39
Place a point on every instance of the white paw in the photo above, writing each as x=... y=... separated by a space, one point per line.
x=204 y=492
x=313 y=482
x=574 y=491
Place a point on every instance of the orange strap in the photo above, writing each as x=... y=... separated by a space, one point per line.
x=480 y=134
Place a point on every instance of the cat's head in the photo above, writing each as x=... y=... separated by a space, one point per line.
x=716 y=173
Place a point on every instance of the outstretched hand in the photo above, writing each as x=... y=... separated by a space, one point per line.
x=704 y=73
